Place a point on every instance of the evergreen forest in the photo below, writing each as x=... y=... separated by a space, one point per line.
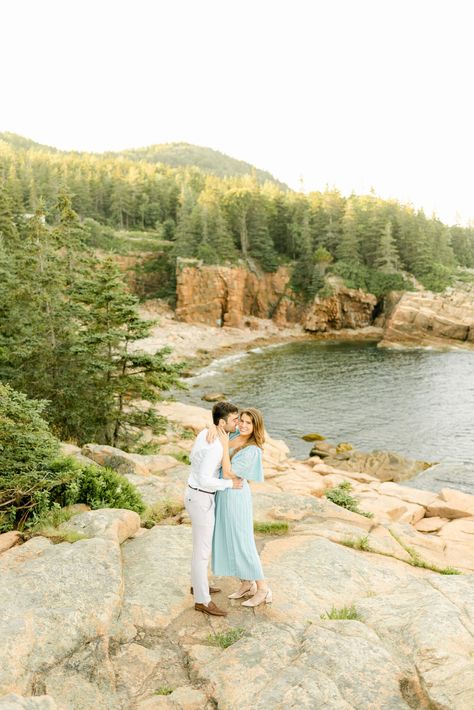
x=186 y=201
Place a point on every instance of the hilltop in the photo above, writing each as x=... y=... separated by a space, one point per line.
x=176 y=155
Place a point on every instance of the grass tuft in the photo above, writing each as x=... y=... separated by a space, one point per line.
x=181 y=456
x=345 y=612
x=359 y=543
x=160 y=511
x=417 y=561
x=227 y=638
x=56 y=536
x=164 y=690
x=340 y=495
x=276 y=528
x=48 y=524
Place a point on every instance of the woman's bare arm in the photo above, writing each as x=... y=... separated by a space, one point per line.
x=226 y=464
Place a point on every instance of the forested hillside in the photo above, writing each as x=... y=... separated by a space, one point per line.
x=368 y=241
x=182 y=155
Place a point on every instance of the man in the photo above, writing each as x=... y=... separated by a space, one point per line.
x=199 y=499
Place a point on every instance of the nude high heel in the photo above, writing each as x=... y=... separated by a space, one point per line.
x=255 y=601
x=248 y=592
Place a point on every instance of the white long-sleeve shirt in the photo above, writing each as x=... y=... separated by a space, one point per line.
x=205 y=464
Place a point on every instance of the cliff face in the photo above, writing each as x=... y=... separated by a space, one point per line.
x=219 y=295
x=348 y=308
x=427 y=318
x=139 y=272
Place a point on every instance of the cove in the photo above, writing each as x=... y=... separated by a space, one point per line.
x=419 y=403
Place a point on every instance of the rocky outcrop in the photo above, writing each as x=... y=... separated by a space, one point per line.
x=347 y=308
x=122 y=631
x=221 y=295
x=428 y=319
x=108 y=621
x=384 y=465
x=232 y=296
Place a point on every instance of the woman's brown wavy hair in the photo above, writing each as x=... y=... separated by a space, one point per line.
x=258 y=435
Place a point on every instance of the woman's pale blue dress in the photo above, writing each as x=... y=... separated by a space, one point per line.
x=234 y=553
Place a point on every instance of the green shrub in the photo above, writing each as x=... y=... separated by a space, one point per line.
x=47 y=525
x=340 y=496
x=34 y=480
x=100 y=487
x=369 y=280
x=27 y=452
x=438 y=278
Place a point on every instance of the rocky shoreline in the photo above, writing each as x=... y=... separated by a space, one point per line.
x=368 y=610
x=199 y=344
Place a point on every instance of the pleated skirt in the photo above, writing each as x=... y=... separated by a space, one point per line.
x=234 y=553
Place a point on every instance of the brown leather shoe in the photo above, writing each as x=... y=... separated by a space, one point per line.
x=212 y=590
x=210 y=609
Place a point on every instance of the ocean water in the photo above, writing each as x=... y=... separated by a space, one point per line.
x=419 y=403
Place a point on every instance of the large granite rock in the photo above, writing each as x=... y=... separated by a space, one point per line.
x=108 y=523
x=384 y=465
x=12 y=701
x=428 y=319
x=222 y=295
x=156 y=576
x=348 y=308
x=410 y=647
x=55 y=599
x=125 y=463
x=8 y=540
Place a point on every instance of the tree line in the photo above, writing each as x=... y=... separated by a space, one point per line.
x=370 y=242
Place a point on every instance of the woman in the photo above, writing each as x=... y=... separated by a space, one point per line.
x=234 y=553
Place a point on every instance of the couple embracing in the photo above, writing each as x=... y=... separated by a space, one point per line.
x=219 y=503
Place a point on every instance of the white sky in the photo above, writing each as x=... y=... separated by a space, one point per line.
x=350 y=93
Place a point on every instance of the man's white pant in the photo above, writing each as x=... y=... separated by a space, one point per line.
x=200 y=507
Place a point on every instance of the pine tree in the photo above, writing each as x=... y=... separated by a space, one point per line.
x=260 y=244
x=348 y=247
x=8 y=230
x=217 y=245
x=237 y=204
x=387 y=259
x=279 y=227
x=189 y=226
x=115 y=373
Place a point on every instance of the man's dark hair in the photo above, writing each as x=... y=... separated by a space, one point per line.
x=221 y=410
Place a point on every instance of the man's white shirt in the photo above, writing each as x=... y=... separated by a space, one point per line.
x=205 y=464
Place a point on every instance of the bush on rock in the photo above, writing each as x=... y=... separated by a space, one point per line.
x=34 y=478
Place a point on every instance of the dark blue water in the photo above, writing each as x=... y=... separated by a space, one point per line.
x=419 y=403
